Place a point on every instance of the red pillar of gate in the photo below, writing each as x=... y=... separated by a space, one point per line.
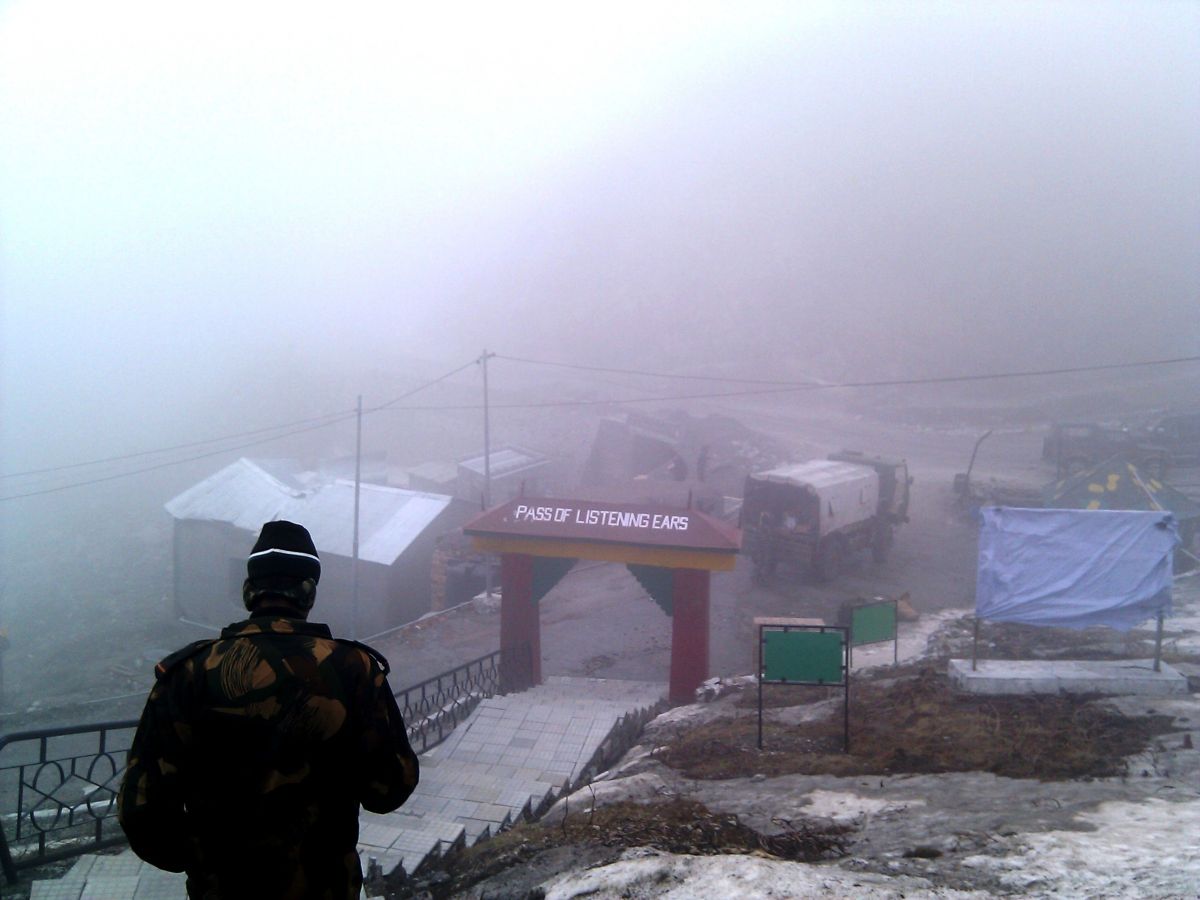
x=689 y=633
x=520 y=623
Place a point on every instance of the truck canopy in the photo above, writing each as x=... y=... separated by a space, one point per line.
x=848 y=492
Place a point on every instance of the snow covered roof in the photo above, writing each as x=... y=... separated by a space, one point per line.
x=245 y=494
x=504 y=461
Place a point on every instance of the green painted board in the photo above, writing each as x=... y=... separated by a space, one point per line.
x=803 y=657
x=873 y=623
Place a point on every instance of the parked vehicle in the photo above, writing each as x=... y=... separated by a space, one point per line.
x=1075 y=446
x=818 y=514
x=1178 y=436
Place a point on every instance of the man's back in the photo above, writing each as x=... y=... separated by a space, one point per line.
x=252 y=758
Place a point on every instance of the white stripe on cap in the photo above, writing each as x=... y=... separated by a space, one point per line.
x=285 y=552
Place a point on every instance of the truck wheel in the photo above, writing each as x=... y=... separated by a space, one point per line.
x=881 y=546
x=828 y=560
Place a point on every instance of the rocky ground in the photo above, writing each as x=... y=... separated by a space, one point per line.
x=940 y=795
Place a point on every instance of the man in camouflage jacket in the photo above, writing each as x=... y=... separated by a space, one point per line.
x=255 y=750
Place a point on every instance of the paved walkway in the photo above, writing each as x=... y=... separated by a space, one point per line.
x=511 y=758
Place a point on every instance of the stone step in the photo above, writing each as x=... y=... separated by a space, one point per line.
x=510 y=759
x=405 y=839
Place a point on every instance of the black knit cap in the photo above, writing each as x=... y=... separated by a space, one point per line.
x=284 y=548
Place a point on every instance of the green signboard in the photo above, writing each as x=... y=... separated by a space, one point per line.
x=872 y=623
x=803 y=657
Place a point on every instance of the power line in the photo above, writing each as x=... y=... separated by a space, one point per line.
x=169 y=463
x=611 y=371
x=785 y=387
x=779 y=388
x=427 y=384
x=333 y=419
x=316 y=421
x=882 y=383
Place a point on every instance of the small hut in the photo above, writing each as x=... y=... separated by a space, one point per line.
x=217 y=520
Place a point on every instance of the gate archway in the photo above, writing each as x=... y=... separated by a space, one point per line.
x=670 y=551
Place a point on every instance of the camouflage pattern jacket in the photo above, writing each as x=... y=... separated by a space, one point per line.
x=253 y=755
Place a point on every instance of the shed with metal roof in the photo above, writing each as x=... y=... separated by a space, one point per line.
x=217 y=521
x=514 y=471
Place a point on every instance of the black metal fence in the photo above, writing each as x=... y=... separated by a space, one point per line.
x=58 y=792
x=435 y=706
x=58 y=786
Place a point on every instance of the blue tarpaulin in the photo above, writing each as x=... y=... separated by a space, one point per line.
x=1074 y=568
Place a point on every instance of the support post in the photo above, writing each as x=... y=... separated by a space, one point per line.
x=357 y=489
x=758 y=635
x=689 y=633
x=520 y=623
x=975 y=646
x=487 y=462
x=1158 y=635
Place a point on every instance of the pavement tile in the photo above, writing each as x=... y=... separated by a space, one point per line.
x=376 y=835
x=155 y=884
x=55 y=889
x=109 y=887
x=78 y=873
x=122 y=864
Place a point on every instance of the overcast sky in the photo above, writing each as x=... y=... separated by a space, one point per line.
x=199 y=200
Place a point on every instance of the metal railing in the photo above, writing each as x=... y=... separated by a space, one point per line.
x=58 y=792
x=58 y=786
x=433 y=708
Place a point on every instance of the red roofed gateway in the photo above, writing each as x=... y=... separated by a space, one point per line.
x=684 y=545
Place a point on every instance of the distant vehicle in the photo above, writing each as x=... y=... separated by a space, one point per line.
x=1179 y=436
x=1076 y=446
x=818 y=514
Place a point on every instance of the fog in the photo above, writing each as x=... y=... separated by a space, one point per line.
x=222 y=218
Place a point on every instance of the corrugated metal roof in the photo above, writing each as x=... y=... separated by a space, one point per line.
x=819 y=473
x=245 y=495
x=505 y=461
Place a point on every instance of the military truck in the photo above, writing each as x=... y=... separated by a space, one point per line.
x=818 y=515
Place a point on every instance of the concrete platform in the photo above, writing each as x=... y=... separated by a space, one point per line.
x=1018 y=676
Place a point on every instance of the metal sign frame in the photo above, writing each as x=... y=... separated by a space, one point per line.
x=856 y=608
x=767 y=656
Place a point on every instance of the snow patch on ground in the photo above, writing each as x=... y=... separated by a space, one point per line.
x=913 y=641
x=844 y=806
x=1144 y=850
x=648 y=873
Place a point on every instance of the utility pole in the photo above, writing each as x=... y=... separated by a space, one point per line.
x=357 y=486
x=487 y=461
x=487 y=435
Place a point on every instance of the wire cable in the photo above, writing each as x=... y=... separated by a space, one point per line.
x=825 y=384
x=316 y=421
x=169 y=463
x=792 y=386
x=782 y=387
x=331 y=419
